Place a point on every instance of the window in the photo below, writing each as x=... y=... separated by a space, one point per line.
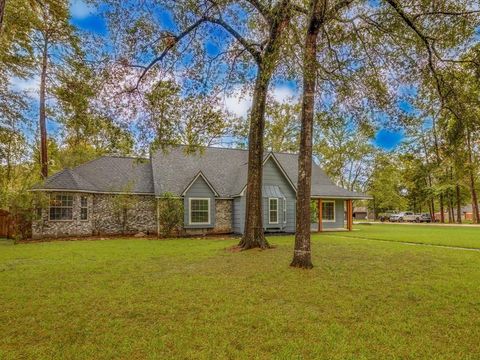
x=284 y=210
x=61 y=207
x=273 y=210
x=83 y=208
x=328 y=211
x=199 y=211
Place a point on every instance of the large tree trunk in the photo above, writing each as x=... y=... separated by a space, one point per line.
x=2 y=11
x=431 y=204
x=439 y=160
x=254 y=236
x=302 y=252
x=473 y=190
x=42 y=112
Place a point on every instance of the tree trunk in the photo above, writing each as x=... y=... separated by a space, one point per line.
x=442 y=210
x=432 y=212
x=302 y=252
x=2 y=11
x=473 y=190
x=451 y=213
x=431 y=205
x=254 y=236
x=439 y=160
x=459 y=205
x=42 y=112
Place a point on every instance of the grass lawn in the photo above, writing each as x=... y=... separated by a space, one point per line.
x=189 y=298
x=459 y=236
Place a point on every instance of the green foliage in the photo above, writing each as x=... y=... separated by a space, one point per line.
x=282 y=127
x=25 y=206
x=344 y=149
x=170 y=214
x=122 y=204
x=189 y=120
x=386 y=185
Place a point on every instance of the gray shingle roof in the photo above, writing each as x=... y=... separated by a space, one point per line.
x=105 y=174
x=322 y=186
x=173 y=171
x=226 y=170
x=67 y=179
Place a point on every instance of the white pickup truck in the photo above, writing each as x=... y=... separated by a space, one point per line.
x=405 y=216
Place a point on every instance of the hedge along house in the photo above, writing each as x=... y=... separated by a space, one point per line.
x=115 y=195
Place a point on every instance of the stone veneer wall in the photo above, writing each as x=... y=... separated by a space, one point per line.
x=141 y=217
x=223 y=219
x=223 y=216
x=103 y=219
x=43 y=227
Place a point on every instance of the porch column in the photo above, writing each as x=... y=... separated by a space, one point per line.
x=349 y=215
x=320 y=225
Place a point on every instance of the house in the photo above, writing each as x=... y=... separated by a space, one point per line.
x=360 y=213
x=211 y=183
x=467 y=212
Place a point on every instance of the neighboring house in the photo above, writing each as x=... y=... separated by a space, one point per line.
x=360 y=213
x=467 y=212
x=212 y=184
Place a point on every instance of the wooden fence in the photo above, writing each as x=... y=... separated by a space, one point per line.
x=6 y=224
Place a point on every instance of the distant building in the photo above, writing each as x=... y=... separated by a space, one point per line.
x=360 y=213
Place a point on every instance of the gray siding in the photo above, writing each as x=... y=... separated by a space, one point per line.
x=238 y=214
x=339 y=216
x=272 y=175
x=199 y=189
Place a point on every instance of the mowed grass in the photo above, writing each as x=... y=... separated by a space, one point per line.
x=191 y=299
x=459 y=236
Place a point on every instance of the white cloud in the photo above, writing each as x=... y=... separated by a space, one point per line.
x=80 y=10
x=239 y=102
x=30 y=85
x=285 y=94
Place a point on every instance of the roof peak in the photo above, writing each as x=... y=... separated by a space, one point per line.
x=242 y=149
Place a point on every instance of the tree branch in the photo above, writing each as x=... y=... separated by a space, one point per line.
x=245 y=43
x=262 y=9
x=426 y=41
x=171 y=45
x=446 y=13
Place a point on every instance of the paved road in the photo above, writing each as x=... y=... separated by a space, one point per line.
x=414 y=224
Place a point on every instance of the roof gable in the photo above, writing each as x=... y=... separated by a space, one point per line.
x=271 y=156
x=195 y=179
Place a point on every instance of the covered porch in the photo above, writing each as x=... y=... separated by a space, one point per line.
x=332 y=214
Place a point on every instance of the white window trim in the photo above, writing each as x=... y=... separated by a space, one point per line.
x=284 y=210
x=190 y=212
x=269 y=210
x=64 y=207
x=334 y=211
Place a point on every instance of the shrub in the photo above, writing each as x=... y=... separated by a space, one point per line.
x=170 y=214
